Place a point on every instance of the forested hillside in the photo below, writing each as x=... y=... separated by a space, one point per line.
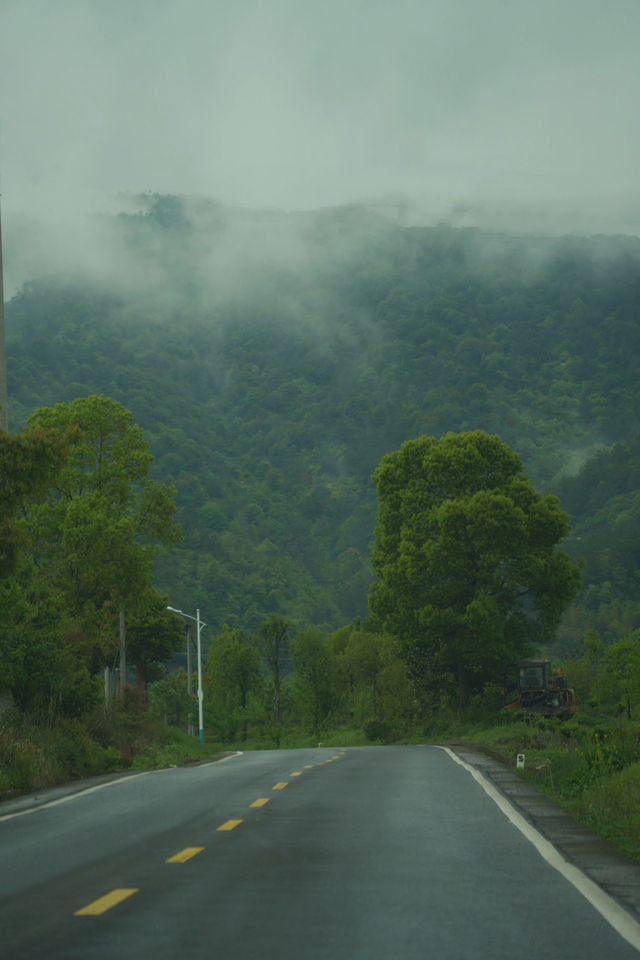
x=272 y=359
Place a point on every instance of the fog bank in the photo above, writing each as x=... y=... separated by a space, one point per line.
x=506 y=115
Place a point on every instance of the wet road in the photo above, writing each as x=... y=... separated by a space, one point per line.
x=389 y=852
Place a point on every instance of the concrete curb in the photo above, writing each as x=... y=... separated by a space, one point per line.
x=597 y=858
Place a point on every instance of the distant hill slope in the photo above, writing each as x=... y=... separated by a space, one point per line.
x=273 y=358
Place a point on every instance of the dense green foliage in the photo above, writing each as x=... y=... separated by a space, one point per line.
x=352 y=677
x=88 y=531
x=468 y=571
x=27 y=465
x=273 y=359
x=603 y=503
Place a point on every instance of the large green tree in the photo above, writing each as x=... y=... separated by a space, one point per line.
x=314 y=683
x=104 y=519
x=469 y=575
x=232 y=674
x=366 y=656
x=273 y=641
x=619 y=676
x=40 y=667
x=88 y=521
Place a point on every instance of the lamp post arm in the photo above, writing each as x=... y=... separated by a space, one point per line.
x=187 y=615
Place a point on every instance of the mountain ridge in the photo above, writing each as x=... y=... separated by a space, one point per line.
x=269 y=399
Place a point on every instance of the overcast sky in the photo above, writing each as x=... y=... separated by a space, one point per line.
x=518 y=113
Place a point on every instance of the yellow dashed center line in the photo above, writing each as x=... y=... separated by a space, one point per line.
x=184 y=855
x=229 y=825
x=102 y=904
x=112 y=899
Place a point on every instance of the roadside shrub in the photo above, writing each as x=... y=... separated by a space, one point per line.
x=486 y=705
x=611 y=808
x=34 y=756
x=172 y=748
x=378 y=730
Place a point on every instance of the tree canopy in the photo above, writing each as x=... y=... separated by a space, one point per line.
x=469 y=575
x=82 y=524
x=104 y=519
x=268 y=401
x=28 y=462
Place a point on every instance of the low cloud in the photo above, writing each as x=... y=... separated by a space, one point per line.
x=508 y=115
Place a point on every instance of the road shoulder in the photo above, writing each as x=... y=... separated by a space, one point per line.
x=596 y=858
x=33 y=799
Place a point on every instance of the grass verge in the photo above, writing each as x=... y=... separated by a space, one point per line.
x=590 y=767
x=34 y=756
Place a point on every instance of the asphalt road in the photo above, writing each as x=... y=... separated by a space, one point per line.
x=389 y=852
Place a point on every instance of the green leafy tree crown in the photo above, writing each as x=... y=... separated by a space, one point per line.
x=469 y=575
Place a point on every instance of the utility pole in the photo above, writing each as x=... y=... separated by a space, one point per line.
x=189 y=683
x=200 y=694
x=4 y=409
x=200 y=623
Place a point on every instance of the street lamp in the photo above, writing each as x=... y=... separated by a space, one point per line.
x=200 y=623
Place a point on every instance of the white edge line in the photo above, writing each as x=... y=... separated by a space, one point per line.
x=72 y=796
x=232 y=756
x=101 y=786
x=616 y=915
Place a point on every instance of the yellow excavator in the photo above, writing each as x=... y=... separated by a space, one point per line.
x=536 y=688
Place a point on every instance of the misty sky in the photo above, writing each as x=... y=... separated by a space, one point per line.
x=507 y=113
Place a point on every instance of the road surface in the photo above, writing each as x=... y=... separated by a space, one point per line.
x=378 y=852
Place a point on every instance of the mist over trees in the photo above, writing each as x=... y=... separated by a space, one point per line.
x=273 y=359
